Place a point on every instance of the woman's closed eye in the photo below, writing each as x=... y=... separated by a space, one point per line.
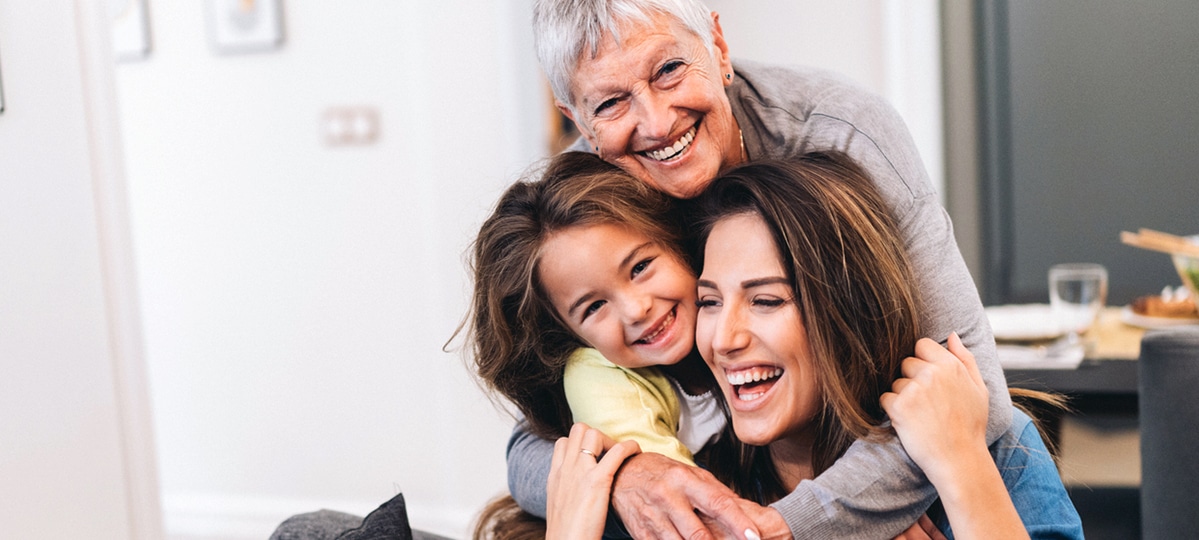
x=767 y=301
x=707 y=302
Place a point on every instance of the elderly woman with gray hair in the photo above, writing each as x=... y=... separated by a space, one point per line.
x=651 y=86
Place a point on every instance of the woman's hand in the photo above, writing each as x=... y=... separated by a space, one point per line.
x=939 y=407
x=580 y=482
x=939 y=410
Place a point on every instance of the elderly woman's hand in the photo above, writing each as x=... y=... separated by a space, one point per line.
x=658 y=497
x=581 y=480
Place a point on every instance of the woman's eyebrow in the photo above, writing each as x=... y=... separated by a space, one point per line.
x=759 y=282
x=747 y=284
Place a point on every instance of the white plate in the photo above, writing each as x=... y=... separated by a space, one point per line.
x=1022 y=322
x=1130 y=317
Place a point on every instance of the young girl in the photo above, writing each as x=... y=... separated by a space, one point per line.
x=584 y=311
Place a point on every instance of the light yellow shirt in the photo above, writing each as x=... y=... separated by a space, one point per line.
x=638 y=404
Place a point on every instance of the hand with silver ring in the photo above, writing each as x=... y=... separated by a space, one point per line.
x=579 y=488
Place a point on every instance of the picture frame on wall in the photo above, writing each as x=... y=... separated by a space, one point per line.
x=245 y=26
x=130 y=29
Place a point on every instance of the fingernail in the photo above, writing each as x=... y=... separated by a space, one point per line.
x=751 y=535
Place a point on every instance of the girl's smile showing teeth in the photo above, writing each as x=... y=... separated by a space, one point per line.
x=658 y=330
x=674 y=150
x=753 y=383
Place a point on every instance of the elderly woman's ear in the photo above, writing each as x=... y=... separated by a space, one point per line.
x=587 y=134
x=721 y=50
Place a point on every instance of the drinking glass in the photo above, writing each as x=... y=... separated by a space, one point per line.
x=1077 y=293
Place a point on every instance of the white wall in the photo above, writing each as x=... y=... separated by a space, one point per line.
x=296 y=296
x=76 y=457
x=889 y=46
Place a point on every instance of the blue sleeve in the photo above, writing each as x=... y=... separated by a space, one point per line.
x=1033 y=482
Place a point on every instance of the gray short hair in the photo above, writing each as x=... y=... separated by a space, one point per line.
x=563 y=28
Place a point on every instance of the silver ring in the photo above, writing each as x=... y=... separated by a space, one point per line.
x=588 y=452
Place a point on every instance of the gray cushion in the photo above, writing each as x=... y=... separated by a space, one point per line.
x=387 y=522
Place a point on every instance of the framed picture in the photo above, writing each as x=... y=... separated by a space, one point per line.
x=242 y=26
x=130 y=29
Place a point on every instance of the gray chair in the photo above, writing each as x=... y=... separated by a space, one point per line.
x=1169 y=420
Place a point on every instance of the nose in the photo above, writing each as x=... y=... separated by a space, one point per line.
x=656 y=118
x=635 y=307
x=730 y=333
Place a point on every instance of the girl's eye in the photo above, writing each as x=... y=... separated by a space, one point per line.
x=592 y=308
x=706 y=302
x=641 y=266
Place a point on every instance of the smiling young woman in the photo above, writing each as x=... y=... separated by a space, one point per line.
x=808 y=315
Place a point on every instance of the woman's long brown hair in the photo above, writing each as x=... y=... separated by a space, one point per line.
x=844 y=256
x=845 y=260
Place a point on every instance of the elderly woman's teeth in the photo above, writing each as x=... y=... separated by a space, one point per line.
x=675 y=149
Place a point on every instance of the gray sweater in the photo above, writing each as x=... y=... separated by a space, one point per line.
x=874 y=490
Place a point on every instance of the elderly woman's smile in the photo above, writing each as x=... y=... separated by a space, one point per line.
x=654 y=103
x=673 y=151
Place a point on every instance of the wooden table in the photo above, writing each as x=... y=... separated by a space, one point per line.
x=1109 y=370
x=1105 y=383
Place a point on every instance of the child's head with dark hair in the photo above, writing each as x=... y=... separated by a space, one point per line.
x=584 y=256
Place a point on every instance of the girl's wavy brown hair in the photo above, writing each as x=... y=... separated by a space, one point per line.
x=519 y=344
